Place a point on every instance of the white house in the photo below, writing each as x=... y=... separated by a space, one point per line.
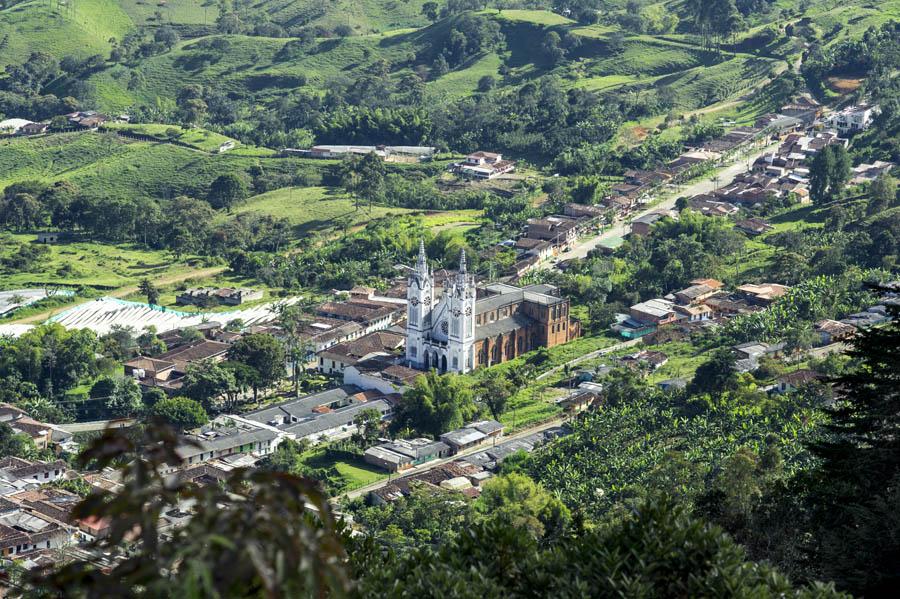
x=852 y=118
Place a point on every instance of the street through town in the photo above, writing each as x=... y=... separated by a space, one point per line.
x=621 y=227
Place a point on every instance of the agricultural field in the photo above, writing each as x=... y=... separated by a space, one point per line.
x=313 y=209
x=80 y=28
x=82 y=263
x=201 y=139
x=108 y=165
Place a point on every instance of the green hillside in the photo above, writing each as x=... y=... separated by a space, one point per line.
x=107 y=165
x=362 y=16
x=82 y=29
x=265 y=68
x=311 y=209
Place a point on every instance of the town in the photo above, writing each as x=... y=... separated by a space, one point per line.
x=311 y=304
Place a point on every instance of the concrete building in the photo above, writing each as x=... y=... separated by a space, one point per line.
x=852 y=118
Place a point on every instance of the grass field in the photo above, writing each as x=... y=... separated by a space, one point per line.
x=202 y=139
x=88 y=264
x=312 y=209
x=82 y=30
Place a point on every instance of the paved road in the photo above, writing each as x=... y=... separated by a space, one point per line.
x=363 y=491
x=706 y=185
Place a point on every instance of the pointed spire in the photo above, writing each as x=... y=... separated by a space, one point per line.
x=422 y=263
x=462 y=262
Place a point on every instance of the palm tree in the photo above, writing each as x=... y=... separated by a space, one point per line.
x=292 y=320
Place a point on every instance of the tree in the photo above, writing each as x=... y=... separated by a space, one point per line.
x=148 y=289
x=14 y=444
x=860 y=471
x=828 y=173
x=167 y=36
x=180 y=413
x=193 y=111
x=430 y=10
x=206 y=382
x=440 y=67
x=149 y=342
x=495 y=390
x=882 y=193
x=121 y=396
x=550 y=46
x=363 y=178
x=59 y=122
x=264 y=354
x=486 y=83
x=119 y=343
x=227 y=190
x=299 y=349
x=517 y=500
x=368 y=425
x=716 y=375
x=435 y=404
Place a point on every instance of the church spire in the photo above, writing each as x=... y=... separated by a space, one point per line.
x=462 y=262
x=422 y=263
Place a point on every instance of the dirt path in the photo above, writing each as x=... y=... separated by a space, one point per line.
x=121 y=292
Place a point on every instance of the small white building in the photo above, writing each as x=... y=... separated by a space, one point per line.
x=852 y=118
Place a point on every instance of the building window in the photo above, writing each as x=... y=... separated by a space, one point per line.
x=455 y=362
x=413 y=351
x=455 y=324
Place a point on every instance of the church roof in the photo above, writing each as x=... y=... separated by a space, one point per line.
x=506 y=295
x=502 y=326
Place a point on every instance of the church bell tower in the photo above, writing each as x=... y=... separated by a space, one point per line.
x=419 y=303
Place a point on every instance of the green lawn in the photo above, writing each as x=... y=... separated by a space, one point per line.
x=355 y=473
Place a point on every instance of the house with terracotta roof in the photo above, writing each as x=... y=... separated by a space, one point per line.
x=23 y=531
x=832 y=331
x=335 y=359
x=797 y=379
x=762 y=294
x=484 y=165
x=753 y=226
x=167 y=370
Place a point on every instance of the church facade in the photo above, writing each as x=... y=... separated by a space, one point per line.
x=460 y=327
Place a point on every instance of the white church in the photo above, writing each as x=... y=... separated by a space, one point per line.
x=440 y=332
